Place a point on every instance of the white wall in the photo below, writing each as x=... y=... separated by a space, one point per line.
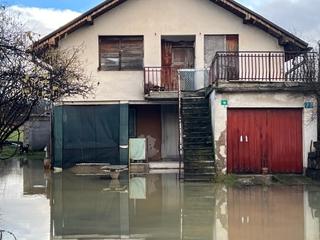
x=152 y=19
x=259 y=100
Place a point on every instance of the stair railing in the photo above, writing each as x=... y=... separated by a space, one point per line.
x=180 y=124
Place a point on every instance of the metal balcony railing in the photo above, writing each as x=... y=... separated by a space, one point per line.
x=265 y=67
x=160 y=79
x=166 y=79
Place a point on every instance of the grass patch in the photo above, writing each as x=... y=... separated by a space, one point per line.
x=12 y=152
x=8 y=152
x=229 y=179
x=15 y=136
x=35 y=155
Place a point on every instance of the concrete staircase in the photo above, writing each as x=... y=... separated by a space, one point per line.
x=313 y=170
x=197 y=137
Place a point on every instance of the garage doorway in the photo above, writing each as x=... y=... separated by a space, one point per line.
x=264 y=138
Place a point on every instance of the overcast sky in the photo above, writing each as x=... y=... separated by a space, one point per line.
x=301 y=17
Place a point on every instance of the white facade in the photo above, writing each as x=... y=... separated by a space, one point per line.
x=153 y=19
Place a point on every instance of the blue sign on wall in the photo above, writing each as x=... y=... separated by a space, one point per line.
x=308 y=105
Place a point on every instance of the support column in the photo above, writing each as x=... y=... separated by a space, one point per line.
x=124 y=134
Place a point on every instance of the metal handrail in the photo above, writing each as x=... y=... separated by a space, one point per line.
x=264 y=66
x=160 y=79
x=180 y=125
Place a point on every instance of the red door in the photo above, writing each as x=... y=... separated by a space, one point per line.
x=264 y=138
x=285 y=141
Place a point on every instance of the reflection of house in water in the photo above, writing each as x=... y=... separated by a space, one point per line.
x=312 y=213
x=88 y=206
x=160 y=207
x=274 y=213
x=35 y=180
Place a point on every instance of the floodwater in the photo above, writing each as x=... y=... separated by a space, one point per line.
x=37 y=205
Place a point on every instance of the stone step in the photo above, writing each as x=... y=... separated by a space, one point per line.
x=197 y=123
x=196 y=120
x=195 y=111
x=196 y=115
x=196 y=127
x=200 y=171
x=198 y=151
x=195 y=145
x=191 y=138
x=207 y=167
x=195 y=134
x=200 y=101
x=199 y=158
x=197 y=141
x=189 y=132
x=198 y=107
x=195 y=104
x=193 y=94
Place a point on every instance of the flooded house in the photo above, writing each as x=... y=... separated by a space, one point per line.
x=211 y=82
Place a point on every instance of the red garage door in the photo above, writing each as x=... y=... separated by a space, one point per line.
x=264 y=138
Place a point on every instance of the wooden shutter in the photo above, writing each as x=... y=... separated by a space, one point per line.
x=109 y=49
x=131 y=53
x=121 y=53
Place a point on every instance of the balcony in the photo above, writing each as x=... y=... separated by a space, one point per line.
x=158 y=79
x=163 y=82
x=257 y=69
x=264 y=67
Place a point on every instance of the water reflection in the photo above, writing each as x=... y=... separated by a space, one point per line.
x=35 y=205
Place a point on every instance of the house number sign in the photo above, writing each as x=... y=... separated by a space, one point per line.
x=308 y=105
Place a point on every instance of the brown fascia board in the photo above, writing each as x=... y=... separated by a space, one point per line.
x=285 y=38
x=86 y=18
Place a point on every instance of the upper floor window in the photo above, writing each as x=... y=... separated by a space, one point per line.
x=120 y=53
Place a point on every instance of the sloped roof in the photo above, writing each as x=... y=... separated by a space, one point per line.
x=286 y=39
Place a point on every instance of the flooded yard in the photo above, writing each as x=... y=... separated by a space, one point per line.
x=38 y=205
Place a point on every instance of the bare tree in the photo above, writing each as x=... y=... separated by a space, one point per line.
x=30 y=73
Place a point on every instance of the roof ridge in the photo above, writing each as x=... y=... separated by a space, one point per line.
x=285 y=38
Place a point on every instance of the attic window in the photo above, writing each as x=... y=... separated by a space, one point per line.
x=123 y=53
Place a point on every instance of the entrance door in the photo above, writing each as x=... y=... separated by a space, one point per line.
x=264 y=138
x=148 y=125
x=175 y=55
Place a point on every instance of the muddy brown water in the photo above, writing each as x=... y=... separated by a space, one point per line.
x=37 y=205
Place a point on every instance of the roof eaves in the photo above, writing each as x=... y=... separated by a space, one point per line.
x=84 y=19
x=254 y=18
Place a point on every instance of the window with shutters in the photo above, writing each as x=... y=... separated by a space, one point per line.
x=123 y=53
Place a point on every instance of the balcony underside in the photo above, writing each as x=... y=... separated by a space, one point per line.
x=162 y=95
x=258 y=86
